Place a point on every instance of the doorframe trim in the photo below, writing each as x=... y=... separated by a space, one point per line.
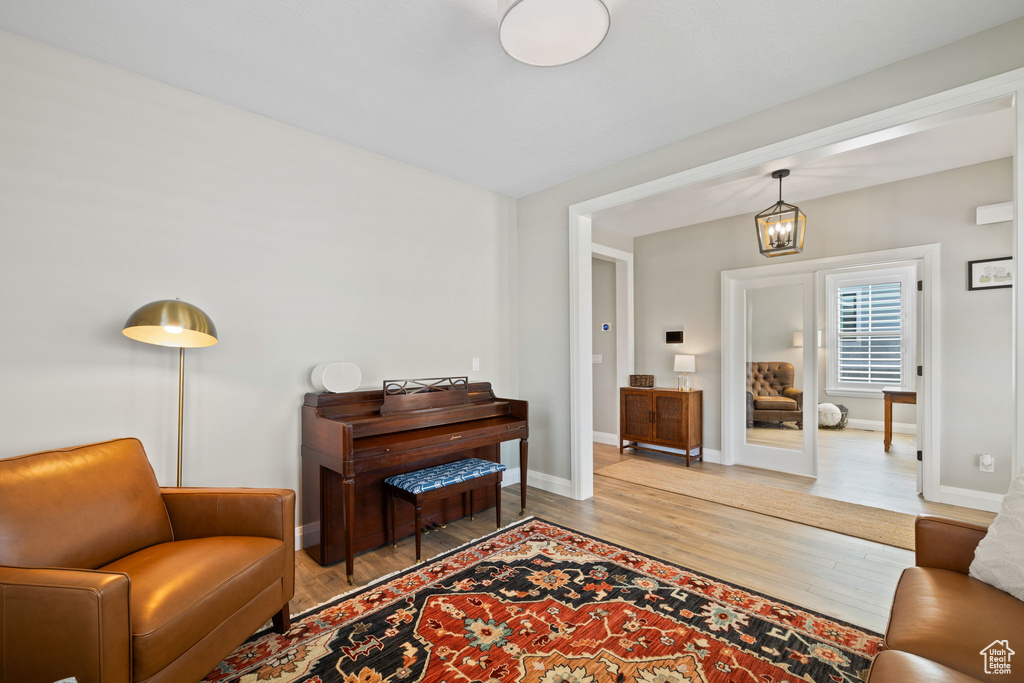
x=624 y=318
x=881 y=125
x=931 y=343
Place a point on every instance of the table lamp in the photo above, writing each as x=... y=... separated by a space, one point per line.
x=172 y=322
x=684 y=363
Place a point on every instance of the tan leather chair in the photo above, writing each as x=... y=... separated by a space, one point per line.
x=941 y=618
x=106 y=577
x=771 y=396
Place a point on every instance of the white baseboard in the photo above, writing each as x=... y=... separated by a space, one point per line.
x=968 y=498
x=879 y=426
x=713 y=455
x=549 y=483
x=606 y=438
x=710 y=454
x=510 y=477
x=309 y=534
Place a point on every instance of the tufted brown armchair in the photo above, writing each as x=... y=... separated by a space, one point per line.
x=771 y=396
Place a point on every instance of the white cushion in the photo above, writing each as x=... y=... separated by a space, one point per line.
x=999 y=560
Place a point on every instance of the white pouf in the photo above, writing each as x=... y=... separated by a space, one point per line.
x=829 y=415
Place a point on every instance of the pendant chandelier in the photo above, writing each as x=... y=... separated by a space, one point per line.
x=780 y=227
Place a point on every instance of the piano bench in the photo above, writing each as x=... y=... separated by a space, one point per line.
x=443 y=481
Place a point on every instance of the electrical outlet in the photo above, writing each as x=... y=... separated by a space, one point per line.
x=598 y=358
x=986 y=463
x=476 y=365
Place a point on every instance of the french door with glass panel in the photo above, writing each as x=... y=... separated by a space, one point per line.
x=772 y=373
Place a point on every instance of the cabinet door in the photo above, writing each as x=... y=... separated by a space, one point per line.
x=635 y=415
x=669 y=421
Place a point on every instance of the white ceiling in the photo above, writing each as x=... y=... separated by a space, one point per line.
x=426 y=82
x=965 y=141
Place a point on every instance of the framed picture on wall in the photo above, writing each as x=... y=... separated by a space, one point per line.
x=990 y=273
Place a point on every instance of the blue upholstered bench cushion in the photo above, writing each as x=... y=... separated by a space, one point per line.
x=444 y=475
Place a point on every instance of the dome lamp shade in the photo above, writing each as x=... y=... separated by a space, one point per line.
x=171 y=322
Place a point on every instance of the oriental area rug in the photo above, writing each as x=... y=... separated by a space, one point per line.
x=851 y=519
x=540 y=603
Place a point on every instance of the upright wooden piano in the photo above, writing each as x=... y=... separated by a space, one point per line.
x=352 y=442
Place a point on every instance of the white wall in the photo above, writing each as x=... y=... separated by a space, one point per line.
x=606 y=382
x=612 y=238
x=542 y=217
x=977 y=401
x=116 y=190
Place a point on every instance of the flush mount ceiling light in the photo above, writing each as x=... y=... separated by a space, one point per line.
x=552 y=32
x=780 y=227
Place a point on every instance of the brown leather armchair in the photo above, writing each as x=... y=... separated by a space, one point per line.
x=771 y=396
x=941 y=618
x=106 y=577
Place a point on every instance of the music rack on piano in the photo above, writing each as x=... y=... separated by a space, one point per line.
x=352 y=442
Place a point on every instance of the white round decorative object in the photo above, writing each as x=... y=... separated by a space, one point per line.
x=336 y=377
x=828 y=415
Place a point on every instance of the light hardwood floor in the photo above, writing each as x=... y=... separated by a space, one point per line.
x=853 y=466
x=847 y=578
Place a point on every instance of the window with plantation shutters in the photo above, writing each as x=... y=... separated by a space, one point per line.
x=871 y=336
x=870 y=333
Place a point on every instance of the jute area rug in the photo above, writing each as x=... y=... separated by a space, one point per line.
x=863 y=521
x=540 y=603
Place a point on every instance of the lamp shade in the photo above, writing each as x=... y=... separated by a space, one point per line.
x=685 y=363
x=552 y=32
x=171 y=322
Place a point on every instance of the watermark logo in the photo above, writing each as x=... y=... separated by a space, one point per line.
x=997 y=657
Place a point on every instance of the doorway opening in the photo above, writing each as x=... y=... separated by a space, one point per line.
x=904 y=121
x=613 y=345
x=872 y=323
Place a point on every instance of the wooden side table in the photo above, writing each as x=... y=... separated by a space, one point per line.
x=664 y=417
x=894 y=395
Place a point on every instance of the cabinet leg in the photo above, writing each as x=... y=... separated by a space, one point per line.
x=523 y=458
x=350 y=529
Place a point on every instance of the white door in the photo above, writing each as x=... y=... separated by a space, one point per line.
x=771 y=374
x=918 y=382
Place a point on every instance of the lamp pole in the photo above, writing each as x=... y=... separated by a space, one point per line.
x=181 y=403
x=172 y=322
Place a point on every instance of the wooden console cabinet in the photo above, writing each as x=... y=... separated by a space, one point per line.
x=662 y=417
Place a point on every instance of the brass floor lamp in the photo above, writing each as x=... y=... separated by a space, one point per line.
x=172 y=322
